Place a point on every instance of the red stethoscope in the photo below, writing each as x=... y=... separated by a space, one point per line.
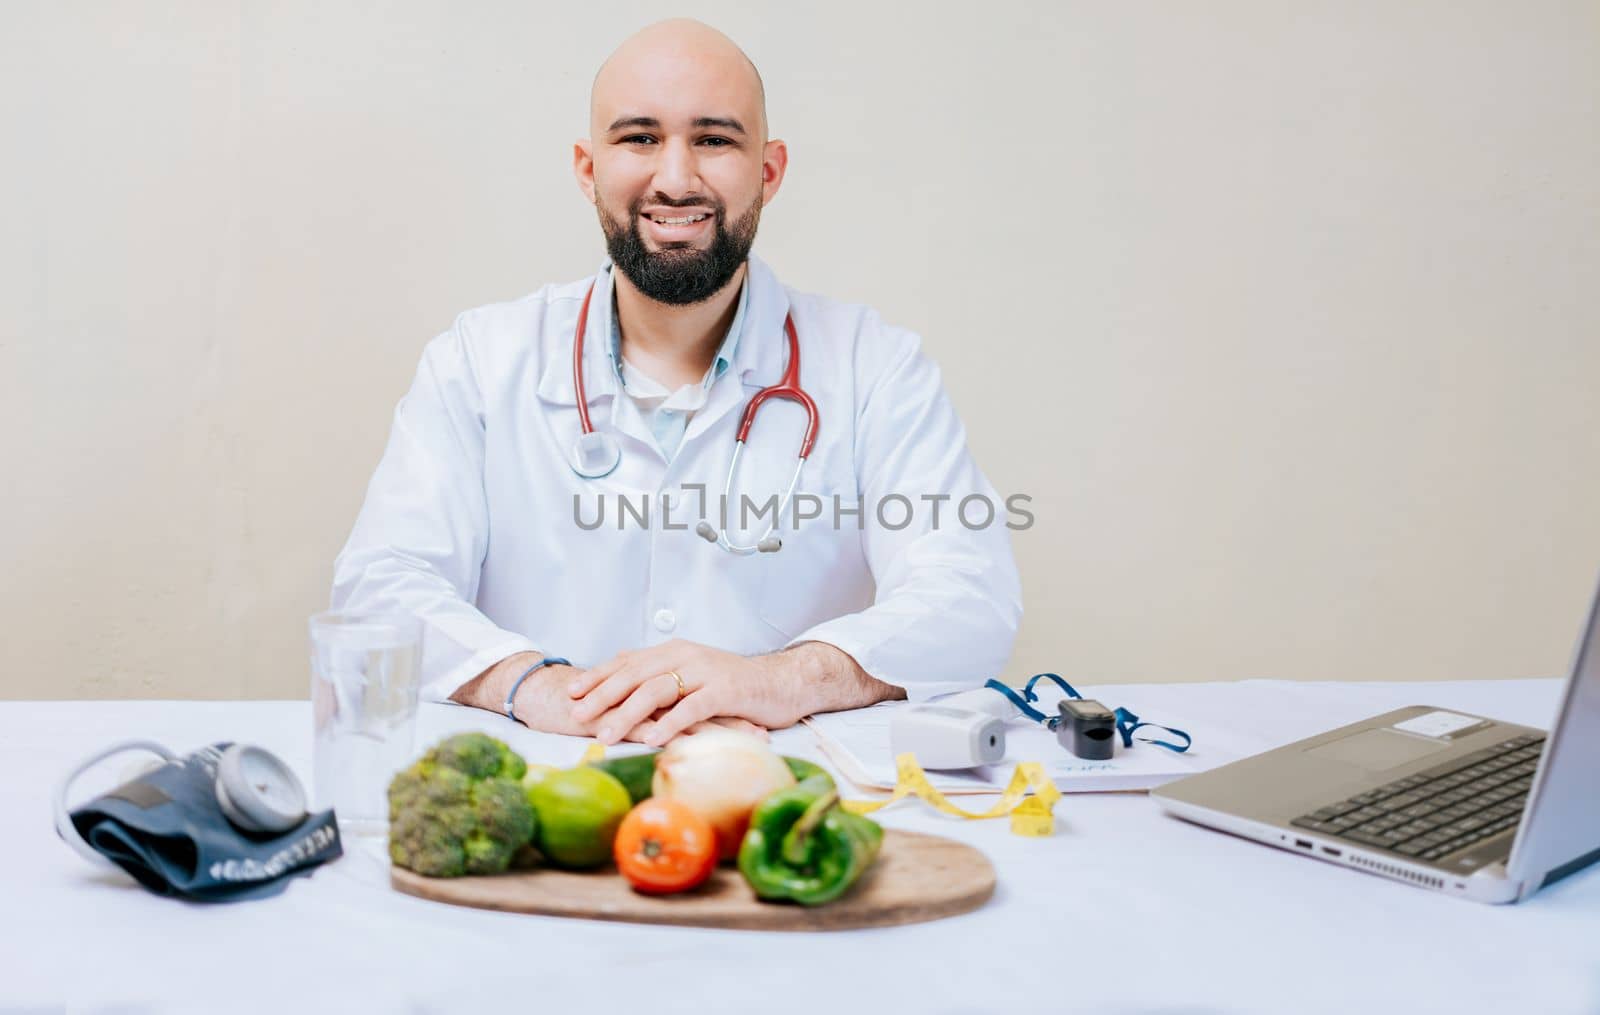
x=596 y=454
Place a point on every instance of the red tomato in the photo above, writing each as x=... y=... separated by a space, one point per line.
x=663 y=846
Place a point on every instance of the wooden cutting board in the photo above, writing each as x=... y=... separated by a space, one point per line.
x=916 y=878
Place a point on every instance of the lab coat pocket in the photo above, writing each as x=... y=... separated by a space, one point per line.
x=820 y=572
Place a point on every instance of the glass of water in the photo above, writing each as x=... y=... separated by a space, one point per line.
x=365 y=670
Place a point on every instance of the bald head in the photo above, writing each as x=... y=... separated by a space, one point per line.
x=678 y=164
x=684 y=59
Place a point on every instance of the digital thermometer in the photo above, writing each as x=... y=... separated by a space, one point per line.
x=944 y=737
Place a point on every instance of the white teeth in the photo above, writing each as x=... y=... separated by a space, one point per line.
x=677 y=222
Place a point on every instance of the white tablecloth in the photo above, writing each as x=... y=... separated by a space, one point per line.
x=1123 y=910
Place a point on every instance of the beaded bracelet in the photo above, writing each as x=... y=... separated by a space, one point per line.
x=511 y=695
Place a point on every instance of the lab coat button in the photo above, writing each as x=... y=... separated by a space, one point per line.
x=666 y=620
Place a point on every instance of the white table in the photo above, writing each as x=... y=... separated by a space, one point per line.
x=1124 y=910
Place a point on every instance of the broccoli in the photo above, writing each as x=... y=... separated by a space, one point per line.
x=460 y=809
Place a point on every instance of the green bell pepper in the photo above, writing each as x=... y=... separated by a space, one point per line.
x=802 y=769
x=802 y=846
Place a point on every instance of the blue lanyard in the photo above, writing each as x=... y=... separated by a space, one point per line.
x=1127 y=722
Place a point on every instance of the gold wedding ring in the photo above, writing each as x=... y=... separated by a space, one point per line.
x=681 y=690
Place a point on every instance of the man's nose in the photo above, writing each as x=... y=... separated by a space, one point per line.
x=677 y=173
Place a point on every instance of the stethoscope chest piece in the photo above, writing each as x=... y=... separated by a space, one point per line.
x=595 y=454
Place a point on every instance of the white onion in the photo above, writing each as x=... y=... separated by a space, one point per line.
x=721 y=774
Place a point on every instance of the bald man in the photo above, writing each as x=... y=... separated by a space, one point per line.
x=682 y=327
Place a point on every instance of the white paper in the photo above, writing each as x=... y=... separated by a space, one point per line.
x=858 y=743
x=1438 y=724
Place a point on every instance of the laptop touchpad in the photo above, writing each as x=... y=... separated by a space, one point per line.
x=1376 y=750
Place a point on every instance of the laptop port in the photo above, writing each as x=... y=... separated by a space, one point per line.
x=1302 y=843
x=1330 y=851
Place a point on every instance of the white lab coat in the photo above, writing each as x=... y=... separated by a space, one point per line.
x=470 y=520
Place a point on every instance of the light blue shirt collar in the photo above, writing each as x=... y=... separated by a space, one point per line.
x=730 y=341
x=668 y=425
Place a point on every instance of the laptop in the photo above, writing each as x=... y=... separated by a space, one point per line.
x=1455 y=803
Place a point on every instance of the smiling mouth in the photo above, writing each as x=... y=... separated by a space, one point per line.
x=678 y=220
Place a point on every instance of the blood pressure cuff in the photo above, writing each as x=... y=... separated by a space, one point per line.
x=167 y=829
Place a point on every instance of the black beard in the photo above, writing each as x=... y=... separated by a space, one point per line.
x=680 y=276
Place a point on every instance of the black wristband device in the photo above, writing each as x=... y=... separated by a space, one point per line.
x=1086 y=728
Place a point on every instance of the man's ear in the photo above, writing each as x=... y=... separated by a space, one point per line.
x=774 y=163
x=583 y=166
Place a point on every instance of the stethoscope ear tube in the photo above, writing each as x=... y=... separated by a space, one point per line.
x=64 y=826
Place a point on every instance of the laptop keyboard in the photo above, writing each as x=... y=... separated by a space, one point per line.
x=1441 y=810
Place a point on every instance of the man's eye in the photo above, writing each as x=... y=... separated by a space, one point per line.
x=715 y=142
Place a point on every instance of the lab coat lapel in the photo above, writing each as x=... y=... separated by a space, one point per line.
x=758 y=359
x=599 y=375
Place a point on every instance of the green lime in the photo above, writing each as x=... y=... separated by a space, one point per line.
x=579 y=810
x=536 y=773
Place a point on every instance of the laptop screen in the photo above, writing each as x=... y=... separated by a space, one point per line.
x=1560 y=830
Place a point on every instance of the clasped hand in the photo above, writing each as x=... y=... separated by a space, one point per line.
x=635 y=695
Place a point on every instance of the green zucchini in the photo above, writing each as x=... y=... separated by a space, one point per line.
x=634 y=771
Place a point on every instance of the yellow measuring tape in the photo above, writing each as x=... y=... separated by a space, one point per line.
x=1030 y=815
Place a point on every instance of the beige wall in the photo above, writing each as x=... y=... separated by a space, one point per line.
x=1283 y=313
